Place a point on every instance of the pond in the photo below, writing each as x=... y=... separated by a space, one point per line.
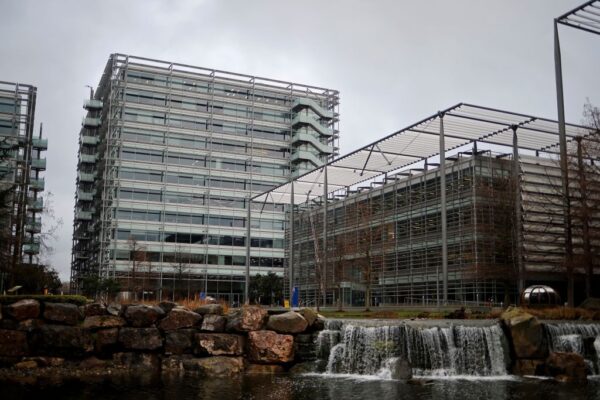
x=303 y=387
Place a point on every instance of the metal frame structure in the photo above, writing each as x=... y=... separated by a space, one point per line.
x=461 y=128
x=22 y=171
x=586 y=18
x=266 y=123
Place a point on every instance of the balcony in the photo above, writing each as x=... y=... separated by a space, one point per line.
x=33 y=225
x=38 y=163
x=92 y=140
x=87 y=158
x=85 y=176
x=35 y=205
x=92 y=104
x=83 y=215
x=81 y=255
x=85 y=196
x=41 y=144
x=91 y=122
x=37 y=184
x=31 y=248
x=303 y=119
x=303 y=102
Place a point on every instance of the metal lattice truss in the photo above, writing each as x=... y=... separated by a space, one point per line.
x=585 y=17
x=462 y=125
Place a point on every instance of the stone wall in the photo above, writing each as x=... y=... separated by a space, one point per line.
x=165 y=337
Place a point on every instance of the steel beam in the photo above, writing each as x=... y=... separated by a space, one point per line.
x=443 y=212
x=291 y=258
x=247 y=280
x=518 y=227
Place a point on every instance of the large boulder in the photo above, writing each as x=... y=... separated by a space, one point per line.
x=92 y=309
x=179 y=318
x=309 y=315
x=140 y=338
x=13 y=343
x=70 y=341
x=167 y=306
x=246 y=319
x=179 y=342
x=526 y=334
x=219 y=344
x=30 y=325
x=23 y=309
x=115 y=309
x=566 y=367
x=204 y=309
x=141 y=361
x=264 y=369
x=213 y=323
x=62 y=312
x=103 y=321
x=289 y=322
x=529 y=367
x=217 y=367
x=400 y=368
x=106 y=339
x=269 y=347
x=141 y=315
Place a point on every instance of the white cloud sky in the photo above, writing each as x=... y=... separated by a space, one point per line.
x=394 y=62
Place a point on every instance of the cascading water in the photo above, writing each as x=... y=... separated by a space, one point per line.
x=430 y=350
x=580 y=338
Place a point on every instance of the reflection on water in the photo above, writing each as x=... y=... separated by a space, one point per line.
x=308 y=387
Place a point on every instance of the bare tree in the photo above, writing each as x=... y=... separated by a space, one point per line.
x=137 y=258
x=180 y=266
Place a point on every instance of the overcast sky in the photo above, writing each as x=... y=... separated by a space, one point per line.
x=394 y=62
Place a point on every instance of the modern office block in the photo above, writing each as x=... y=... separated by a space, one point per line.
x=21 y=169
x=169 y=156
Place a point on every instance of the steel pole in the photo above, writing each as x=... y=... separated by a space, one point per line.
x=247 y=280
x=325 y=207
x=518 y=221
x=443 y=211
x=291 y=244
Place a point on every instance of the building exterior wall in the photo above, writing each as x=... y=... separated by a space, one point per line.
x=399 y=223
x=169 y=155
x=21 y=170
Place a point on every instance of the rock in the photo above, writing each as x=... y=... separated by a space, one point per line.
x=106 y=339
x=30 y=325
x=23 y=309
x=209 y=309
x=103 y=321
x=47 y=361
x=114 y=309
x=526 y=334
x=62 y=312
x=262 y=369
x=289 y=322
x=94 y=309
x=13 y=343
x=140 y=338
x=269 y=347
x=179 y=342
x=591 y=303
x=213 y=323
x=167 y=306
x=70 y=341
x=218 y=366
x=319 y=324
x=566 y=367
x=529 y=367
x=305 y=347
x=92 y=363
x=26 y=365
x=309 y=315
x=246 y=319
x=174 y=363
x=142 y=315
x=219 y=344
x=179 y=318
x=400 y=369
x=142 y=361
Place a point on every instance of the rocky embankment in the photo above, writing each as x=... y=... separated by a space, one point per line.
x=41 y=338
x=532 y=353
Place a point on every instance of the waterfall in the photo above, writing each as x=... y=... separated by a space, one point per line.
x=580 y=338
x=430 y=350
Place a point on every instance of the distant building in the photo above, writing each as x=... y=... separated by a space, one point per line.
x=169 y=155
x=21 y=169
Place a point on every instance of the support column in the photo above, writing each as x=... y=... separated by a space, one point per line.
x=443 y=212
x=563 y=166
x=325 y=208
x=248 y=223
x=518 y=225
x=291 y=244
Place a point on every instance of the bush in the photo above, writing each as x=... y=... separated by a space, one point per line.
x=71 y=299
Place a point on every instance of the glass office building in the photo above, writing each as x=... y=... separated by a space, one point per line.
x=169 y=156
